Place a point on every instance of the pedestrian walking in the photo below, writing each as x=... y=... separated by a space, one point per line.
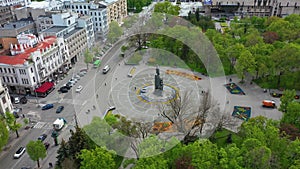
x=116 y=78
x=230 y=80
x=94 y=107
x=50 y=165
x=104 y=84
x=97 y=96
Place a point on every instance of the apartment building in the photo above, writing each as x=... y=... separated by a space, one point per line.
x=5 y=102
x=244 y=8
x=116 y=10
x=30 y=63
x=14 y=2
x=75 y=37
x=97 y=11
x=6 y=15
x=10 y=31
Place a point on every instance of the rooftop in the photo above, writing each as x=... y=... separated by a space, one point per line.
x=72 y=32
x=21 y=58
x=18 y=24
x=55 y=29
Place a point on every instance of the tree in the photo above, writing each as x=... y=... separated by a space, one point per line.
x=292 y=114
x=88 y=58
x=115 y=31
x=290 y=131
x=12 y=123
x=3 y=133
x=287 y=97
x=97 y=158
x=78 y=141
x=36 y=151
x=245 y=63
x=167 y=8
x=62 y=153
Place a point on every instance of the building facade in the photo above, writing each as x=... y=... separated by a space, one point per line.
x=116 y=10
x=245 y=8
x=97 y=11
x=31 y=62
x=74 y=37
x=6 y=15
x=14 y=2
x=5 y=102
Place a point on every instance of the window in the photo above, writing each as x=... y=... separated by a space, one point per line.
x=3 y=79
x=3 y=100
x=8 y=70
x=22 y=71
x=31 y=70
x=13 y=70
x=16 y=80
x=12 y=79
x=33 y=78
x=1 y=70
x=8 y=80
x=4 y=70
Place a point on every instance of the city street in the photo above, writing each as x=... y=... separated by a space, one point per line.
x=73 y=102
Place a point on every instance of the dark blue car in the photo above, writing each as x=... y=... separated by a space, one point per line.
x=47 y=106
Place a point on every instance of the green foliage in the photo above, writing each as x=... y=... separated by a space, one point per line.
x=292 y=114
x=128 y=161
x=88 y=57
x=288 y=96
x=97 y=158
x=167 y=7
x=245 y=63
x=36 y=150
x=115 y=31
x=3 y=133
x=12 y=123
x=137 y=5
x=135 y=58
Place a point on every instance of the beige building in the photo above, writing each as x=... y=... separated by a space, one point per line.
x=5 y=102
x=6 y=15
x=116 y=10
x=244 y=8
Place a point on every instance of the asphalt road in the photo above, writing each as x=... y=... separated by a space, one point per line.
x=74 y=103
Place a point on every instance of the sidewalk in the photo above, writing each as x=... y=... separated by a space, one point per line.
x=13 y=140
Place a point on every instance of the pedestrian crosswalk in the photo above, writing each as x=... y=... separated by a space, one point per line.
x=43 y=125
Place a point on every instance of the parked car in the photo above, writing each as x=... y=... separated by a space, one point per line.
x=46 y=144
x=42 y=137
x=23 y=100
x=15 y=100
x=78 y=89
x=143 y=90
x=60 y=109
x=64 y=89
x=81 y=74
x=47 y=106
x=76 y=77
x=20 y=152
x=73 y=81
x=106 y=69
x=69 y=84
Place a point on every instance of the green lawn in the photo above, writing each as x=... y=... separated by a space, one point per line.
x=167 y=60
x=219 y=137
x=288 y=81
x=135 y=59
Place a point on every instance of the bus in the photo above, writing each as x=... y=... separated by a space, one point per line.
x=97 y=63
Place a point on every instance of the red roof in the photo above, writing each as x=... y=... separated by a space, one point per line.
x=45 y=87
x=21 y=58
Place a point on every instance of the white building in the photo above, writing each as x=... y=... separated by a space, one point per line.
x=97 y=11
x=5 y=102
x=33 y=61
x=14 y=2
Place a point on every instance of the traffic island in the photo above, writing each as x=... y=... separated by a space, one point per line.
x=234 y=89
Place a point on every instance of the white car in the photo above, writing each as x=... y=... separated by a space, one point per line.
x=79 y=88
x=77 y=77
x=19 y=152
x=73 y=80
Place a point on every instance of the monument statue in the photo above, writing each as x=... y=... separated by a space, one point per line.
x=158 y=83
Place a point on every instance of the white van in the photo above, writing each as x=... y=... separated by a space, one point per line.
x=106 y=69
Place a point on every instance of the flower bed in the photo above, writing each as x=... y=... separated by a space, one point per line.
x=234 y=89
x=183 y=74
x=161 y=126
x=243 y=113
